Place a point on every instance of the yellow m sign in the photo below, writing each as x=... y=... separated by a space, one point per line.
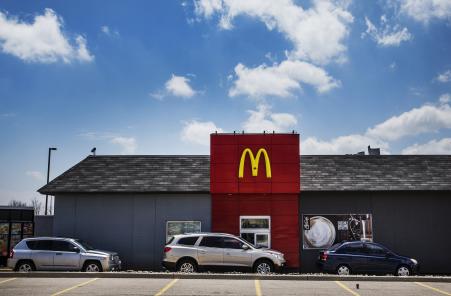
x=254 y=162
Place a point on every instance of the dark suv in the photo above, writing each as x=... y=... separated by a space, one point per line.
x=365 y=257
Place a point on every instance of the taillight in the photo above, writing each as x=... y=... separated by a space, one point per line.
x=323 y=256
x=11 y=253
x=167 y=249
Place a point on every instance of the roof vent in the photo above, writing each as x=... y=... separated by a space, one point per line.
x=374 y=151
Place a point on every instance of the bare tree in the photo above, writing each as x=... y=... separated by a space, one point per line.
x=17 y=203
x=37 y=205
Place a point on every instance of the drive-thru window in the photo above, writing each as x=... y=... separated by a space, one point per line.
x=256 y=230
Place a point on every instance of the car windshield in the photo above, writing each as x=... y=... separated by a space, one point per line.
x=84 y=244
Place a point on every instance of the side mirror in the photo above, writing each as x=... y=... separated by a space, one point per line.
x=245 y=247
x=76 y=250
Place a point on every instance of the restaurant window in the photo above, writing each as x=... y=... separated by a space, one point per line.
x=256 y=230
x=181 y=227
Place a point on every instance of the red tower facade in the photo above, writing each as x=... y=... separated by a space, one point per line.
x=255 y=186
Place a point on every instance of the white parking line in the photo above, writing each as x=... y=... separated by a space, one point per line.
x=8 y=280
x=167 y=287
x=76 y=286
x=347 y=289
x=434 y=289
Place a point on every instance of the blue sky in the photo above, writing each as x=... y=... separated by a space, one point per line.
x=148 y=77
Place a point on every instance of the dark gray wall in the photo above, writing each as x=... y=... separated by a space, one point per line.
x=43 y=225
x=414 y=224
x=132 y=224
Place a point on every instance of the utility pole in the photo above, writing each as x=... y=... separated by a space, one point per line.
x=48 y=177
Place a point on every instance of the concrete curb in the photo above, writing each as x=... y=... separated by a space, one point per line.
x=219 y=276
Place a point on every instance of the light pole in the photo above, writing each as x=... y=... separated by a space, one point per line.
x=48 y=175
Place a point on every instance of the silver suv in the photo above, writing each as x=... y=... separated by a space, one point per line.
x=51 y=253
x=188 y=252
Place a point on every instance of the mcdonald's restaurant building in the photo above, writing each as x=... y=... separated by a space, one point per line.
x=257 y=186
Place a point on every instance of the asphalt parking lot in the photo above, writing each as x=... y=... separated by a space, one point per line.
x=138 y=286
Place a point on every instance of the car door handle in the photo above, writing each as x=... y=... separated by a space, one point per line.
x=228 y=253
x=202 y=252
x=58 y=253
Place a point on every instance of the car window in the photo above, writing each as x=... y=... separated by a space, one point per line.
x=32 y=245
x=62 y=246
x=188 y=241
x=375 y=250
x=351 y=249
x=232 y=243
x=211 y=241
x=42 y=245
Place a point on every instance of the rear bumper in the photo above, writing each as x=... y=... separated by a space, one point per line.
x=169 y=265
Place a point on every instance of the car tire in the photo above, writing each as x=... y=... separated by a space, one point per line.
x=187 y=266
x=403 y=270
x=343 y=269
x=92 y=266
x=25 y=266
x=264 y=267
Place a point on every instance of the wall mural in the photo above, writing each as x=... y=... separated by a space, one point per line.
x=322 y=231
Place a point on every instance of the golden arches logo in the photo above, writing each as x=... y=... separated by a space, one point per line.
x=254 y=162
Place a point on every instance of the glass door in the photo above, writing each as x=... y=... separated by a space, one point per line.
x=4 y=234
x=256 y=230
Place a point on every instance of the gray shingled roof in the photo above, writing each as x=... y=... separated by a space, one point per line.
x=375 y=173
x=133 y=173
x=192 y=174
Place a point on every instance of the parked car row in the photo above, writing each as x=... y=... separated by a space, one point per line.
x=198 y=251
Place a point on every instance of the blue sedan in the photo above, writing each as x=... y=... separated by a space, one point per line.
x=365 y=258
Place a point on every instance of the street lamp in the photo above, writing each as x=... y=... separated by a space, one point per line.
x=48 y=175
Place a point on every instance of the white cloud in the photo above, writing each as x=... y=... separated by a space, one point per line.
x=42 y=40
x=350 y=144
x=445 y=99
x=280 y=80
x=35 y=175
x=109 y=32
x=317 y=33
x=426 y=10
x=442 y=146
x=393 y=66
x=128 y=144
x=198 y=132
x=179 y=86
x=106 y=30
x=158 y=95
x=387 y=35
x=263 y=119
x=427 y=118
x=444 y=77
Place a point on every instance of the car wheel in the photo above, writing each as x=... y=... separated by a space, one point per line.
x=92 y=266
x=264 y=267
x=187 y=266
x=402 y=271
x=25 y=266
x=343 y=270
